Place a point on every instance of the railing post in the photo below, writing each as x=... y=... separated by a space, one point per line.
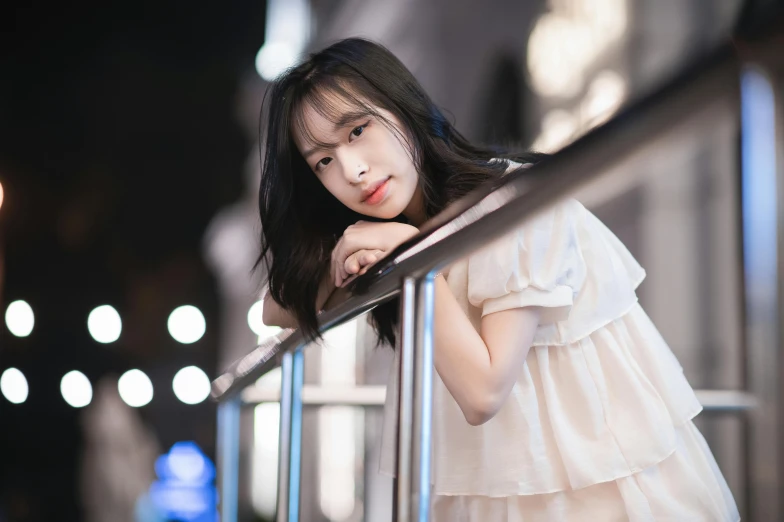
x=229 y=457
x=289 y=463
x=415 y=401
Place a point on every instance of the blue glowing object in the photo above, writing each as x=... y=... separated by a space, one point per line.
x=185 y=489
x=185 y=463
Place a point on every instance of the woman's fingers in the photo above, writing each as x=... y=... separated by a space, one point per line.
x=359 y=262
x=341 y=274
x=339 y=258
x=357 y=248
x=352 y=263
x=337 y=271
x=370 y=257
x=333 y=272
x=338 y=261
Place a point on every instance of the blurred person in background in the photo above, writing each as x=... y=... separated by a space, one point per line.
x=118 y=464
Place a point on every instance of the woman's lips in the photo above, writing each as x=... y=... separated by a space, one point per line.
x=375 y=194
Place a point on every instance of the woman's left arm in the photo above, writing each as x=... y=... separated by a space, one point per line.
x=478 y=369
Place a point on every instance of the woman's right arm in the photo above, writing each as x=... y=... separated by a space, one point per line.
x=348 y=261
x=275 y=315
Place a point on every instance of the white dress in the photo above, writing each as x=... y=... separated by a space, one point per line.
x=598 y=426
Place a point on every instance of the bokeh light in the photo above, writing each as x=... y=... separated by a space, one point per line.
x=76 y=389
x=566 y=41
x=13 y=386
x=604 y=97
x=19 y=318
x=135 y=388
x=186 y=324
x=559 y=127
x=191 y=385
x=273 y=58
x=255 y=314
x=104 y=324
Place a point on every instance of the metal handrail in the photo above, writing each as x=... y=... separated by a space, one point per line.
x=495 y=210
x=313 y=395
x=375 y=395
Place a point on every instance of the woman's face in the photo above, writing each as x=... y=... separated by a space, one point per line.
x=367 y=165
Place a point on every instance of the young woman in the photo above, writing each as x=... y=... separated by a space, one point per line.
x=555 y=397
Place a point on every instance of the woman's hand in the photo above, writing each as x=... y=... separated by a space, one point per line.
x=364 y=243
x=360 y=261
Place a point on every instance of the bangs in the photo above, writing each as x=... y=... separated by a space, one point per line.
x=335 y=101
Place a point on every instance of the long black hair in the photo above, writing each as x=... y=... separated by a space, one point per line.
x=301 y=221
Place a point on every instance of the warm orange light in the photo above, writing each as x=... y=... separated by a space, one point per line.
x=1 y=195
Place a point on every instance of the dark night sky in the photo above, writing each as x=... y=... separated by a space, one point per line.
x=118 y=143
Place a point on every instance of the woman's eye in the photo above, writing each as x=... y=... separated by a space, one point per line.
x=323 y=162
x=358 y=130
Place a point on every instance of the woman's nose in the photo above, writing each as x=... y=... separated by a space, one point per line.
x=354 y=168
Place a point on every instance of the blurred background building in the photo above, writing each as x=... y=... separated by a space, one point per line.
x=128 y=228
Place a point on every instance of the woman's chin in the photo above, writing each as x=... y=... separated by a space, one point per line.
x=386 y=210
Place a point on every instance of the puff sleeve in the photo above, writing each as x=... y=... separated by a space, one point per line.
x=539 y=264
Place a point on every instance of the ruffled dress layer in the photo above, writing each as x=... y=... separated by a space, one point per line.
x=598 y=426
